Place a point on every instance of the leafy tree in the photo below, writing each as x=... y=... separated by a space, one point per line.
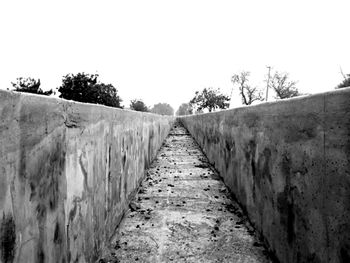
x=345 y=83
x=210 y=99
x=138 y=105
x=107 y=94
x=248 y=93
x=29 y=85
x=283 y=87
x=86 y=88
x=184 y=109
x=163 y=109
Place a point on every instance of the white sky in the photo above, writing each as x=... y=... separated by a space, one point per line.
x=163 y=51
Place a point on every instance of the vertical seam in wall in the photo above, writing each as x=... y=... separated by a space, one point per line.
x=65 y=117
x=324 y=176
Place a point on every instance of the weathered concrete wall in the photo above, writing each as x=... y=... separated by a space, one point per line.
x=67 y=171
x=288 y=165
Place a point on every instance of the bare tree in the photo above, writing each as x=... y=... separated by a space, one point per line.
x=283 y=87
x=248 y=93
x=346 y=82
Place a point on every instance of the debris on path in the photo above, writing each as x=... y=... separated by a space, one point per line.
x=183 y=212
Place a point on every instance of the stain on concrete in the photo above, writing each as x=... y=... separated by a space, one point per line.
x=345 y=254
x=264 y=163
x=250 y=149
x=84 y=171
x=230 y=153
x=3 y=187
x=313 y=258
x=41 y=218
x=230 y=145
x=40 y=255
x=73 y=211
x=45 y=173
x=22 y=163
x=124 y=160
x=302 y=130
x=57 y=237
x=251 y=119
x=285 y=207
x=286 y=165
x=7 y=238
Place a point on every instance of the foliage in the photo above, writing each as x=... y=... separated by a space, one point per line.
x=86 y=88
x=184 y=109
x=248 y=93
x=163 y=109
x=107 y=94
x=283 y=87
x=138 y=105
x=210 y=99
x=345 y=83
x=29 y=85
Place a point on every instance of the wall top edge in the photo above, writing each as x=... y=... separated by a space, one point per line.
x=337 y=92
x=23 y=95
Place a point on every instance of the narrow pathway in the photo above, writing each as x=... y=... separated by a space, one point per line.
x=183 y=213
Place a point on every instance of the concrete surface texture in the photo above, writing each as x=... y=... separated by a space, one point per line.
x=288 y=165
x=183 y=212
x=67 y=173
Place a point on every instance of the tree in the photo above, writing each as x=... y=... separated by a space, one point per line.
x=210 y=99
x=184 y=109
x=345 y=83
x=248 y=93
x=29 y=85
x=198 y=111
x=106 y=94
x=283 y=87
x=84 y=87
x=163 y=109
x=138 y=105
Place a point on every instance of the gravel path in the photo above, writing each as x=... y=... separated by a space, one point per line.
x=183 y=212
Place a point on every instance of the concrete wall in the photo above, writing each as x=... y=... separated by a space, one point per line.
x=67 y=172
x=288 y=165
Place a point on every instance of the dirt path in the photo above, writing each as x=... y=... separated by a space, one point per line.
x=183 y=213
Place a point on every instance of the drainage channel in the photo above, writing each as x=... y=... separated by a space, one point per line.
x=183 y=212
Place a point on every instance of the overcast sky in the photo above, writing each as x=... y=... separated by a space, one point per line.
x=163 y=51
